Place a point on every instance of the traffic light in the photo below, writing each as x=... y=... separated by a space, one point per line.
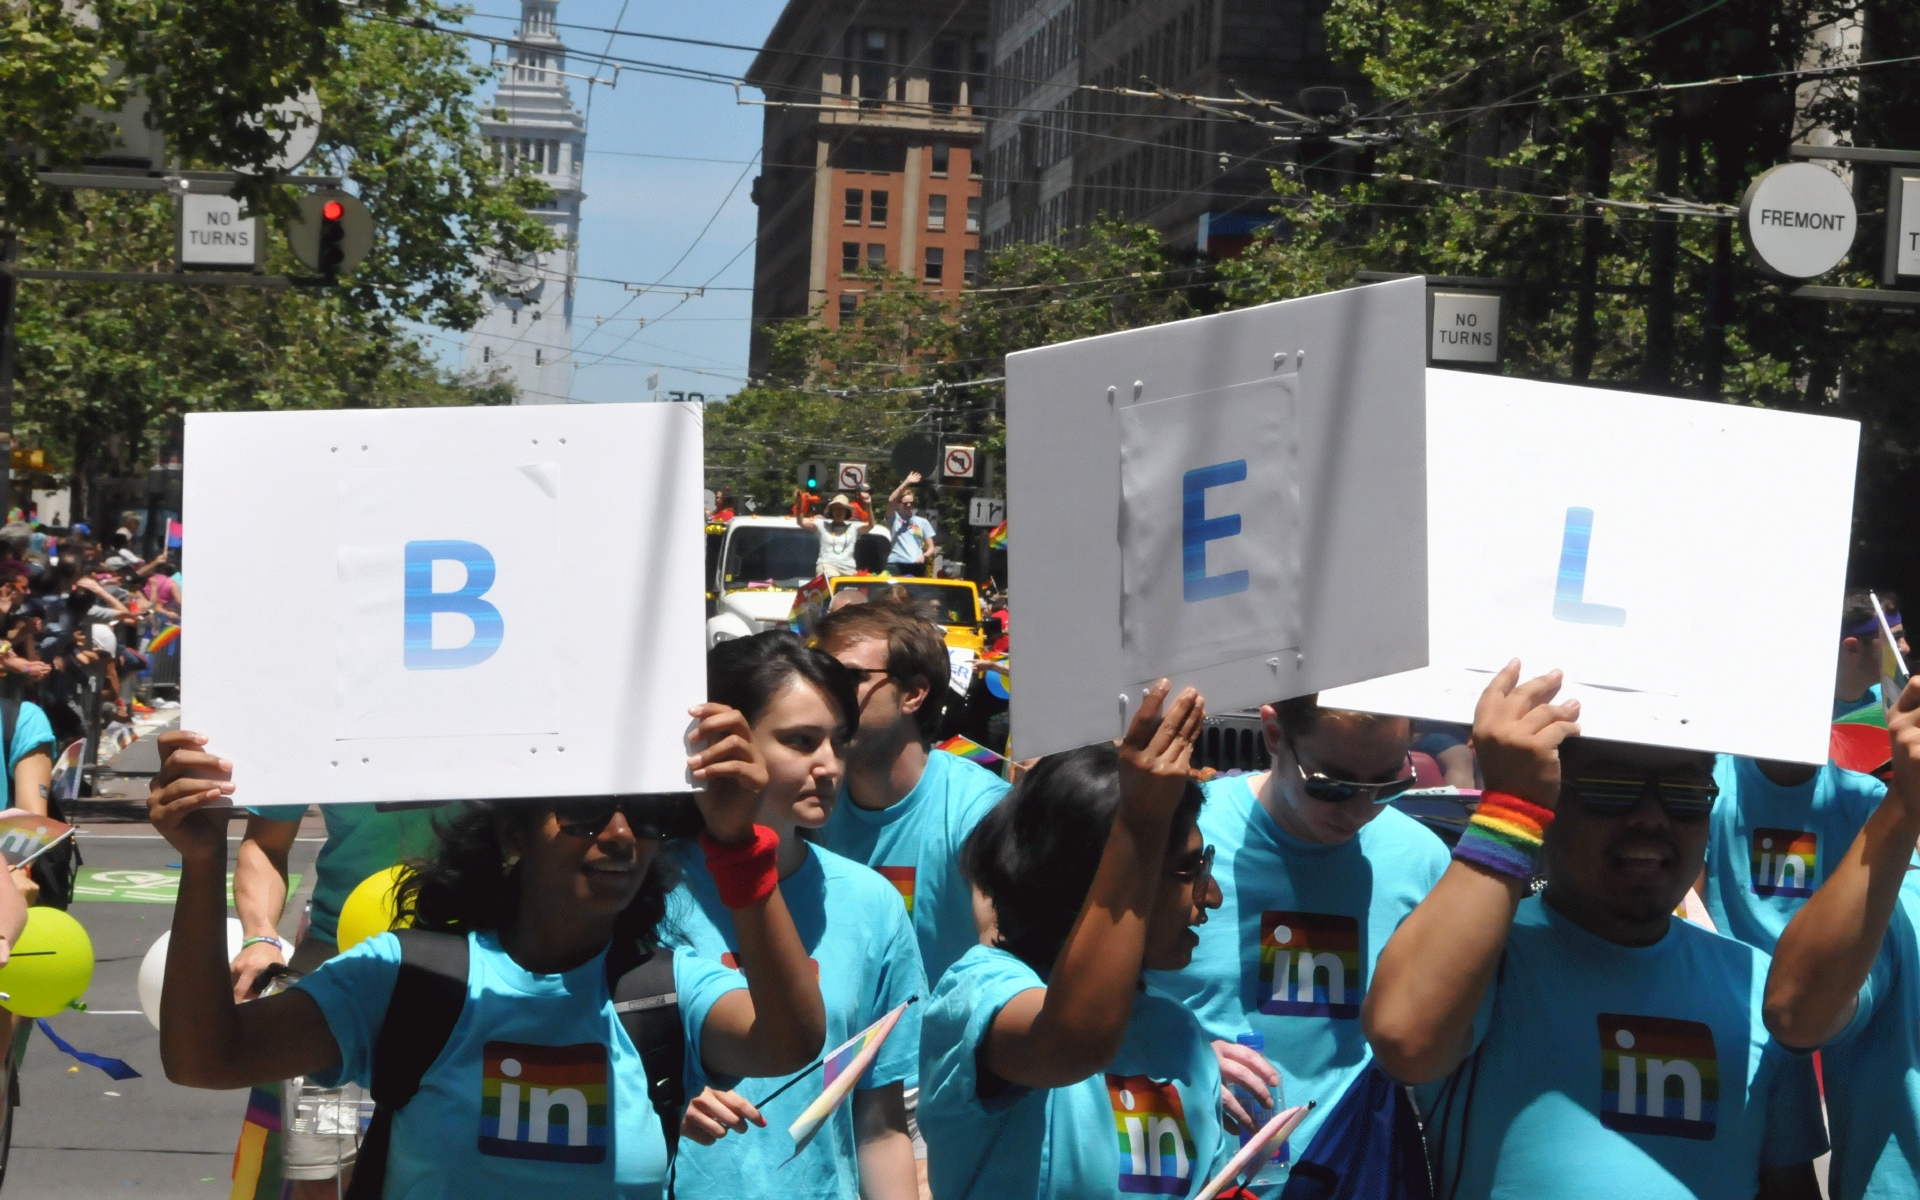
x=333 y=236
x=812 y=475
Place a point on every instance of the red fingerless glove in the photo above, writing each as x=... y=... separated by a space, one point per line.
x=745 y=872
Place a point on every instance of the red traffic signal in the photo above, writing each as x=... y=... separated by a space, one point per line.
x=333 y=210
x=332 y=232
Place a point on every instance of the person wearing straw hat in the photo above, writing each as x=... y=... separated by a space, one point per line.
x=839 y=534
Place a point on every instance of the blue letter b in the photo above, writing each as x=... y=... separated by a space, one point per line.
x=1197 y=529
x=423 y=602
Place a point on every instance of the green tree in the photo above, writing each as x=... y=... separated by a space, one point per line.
x=911 y=360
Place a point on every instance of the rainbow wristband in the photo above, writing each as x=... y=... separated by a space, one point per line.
x=1505 y=835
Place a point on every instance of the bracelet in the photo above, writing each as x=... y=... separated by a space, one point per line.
x=254 y=941
x=745 y=872
x=1505 y=835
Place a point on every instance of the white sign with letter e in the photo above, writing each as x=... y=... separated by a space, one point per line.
x=431 y=550
x=1237 y=502
x=1683 y=563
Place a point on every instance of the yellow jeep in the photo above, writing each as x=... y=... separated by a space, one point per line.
x=956 y=603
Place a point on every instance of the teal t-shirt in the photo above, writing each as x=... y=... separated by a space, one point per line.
x=863 y=950
x=1873 y=1072
x=1867 y=699
x=31 y=731
x=1291 y=949
x=538 y=1092
x=1149 y=1123
x=916 y=844
x=1770 y=847
x=1602 y=1071
x=362 y=840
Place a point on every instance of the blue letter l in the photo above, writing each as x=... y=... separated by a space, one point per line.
x=1196 y=530
x=1568 y=602
x=423 y=602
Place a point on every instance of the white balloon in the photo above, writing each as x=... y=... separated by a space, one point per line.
x=153 y=968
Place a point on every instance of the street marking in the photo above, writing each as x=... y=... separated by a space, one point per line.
x=153 y=886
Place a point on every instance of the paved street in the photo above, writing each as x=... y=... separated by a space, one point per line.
x=139 y=1135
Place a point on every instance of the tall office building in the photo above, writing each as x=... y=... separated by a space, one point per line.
x=526 y=336
x=1057 y=157
x=870 y=155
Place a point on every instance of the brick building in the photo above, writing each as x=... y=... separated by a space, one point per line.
x=870 y=154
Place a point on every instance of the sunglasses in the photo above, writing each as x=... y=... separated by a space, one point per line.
x=1200 y=874
x=589 y=818
x=1617 y=795
x=1339 y=791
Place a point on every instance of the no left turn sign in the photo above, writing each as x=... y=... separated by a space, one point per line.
x=853 y=477
x=957 y=462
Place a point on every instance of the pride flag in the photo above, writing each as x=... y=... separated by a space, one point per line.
x=997 y=540
x=166 y=637
x=66 y=771
x=843 y=1068
x=257 y=1159
x=972 y=751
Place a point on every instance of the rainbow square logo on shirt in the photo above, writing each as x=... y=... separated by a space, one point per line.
x=544 y=1102
x=902 y=879
x=1658 y=1075
x=1310 y=965
x=1785 y=862
x=1156 y=1147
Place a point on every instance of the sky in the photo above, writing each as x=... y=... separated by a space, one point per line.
x=664 y=158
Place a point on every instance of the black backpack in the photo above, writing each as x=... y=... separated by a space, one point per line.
x=428 y=996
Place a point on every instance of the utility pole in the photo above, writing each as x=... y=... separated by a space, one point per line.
x=1664 y=258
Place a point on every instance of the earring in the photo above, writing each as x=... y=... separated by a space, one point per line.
x=509 y=863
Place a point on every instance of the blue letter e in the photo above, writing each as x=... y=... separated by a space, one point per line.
x=1196 y=530
x=423 y=602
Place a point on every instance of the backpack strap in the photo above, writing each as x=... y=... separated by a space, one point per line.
x=640 y=979
x=428 y=996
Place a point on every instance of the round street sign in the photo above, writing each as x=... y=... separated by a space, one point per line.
x=1799 y=220
x=343 y=213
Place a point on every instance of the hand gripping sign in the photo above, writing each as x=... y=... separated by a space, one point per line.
x=1235 y=501
x=1683 y=562
x=487 y=602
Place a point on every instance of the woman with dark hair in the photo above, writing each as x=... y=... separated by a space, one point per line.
x=800 y=703
x=537 y=1088
x=1041 y=1050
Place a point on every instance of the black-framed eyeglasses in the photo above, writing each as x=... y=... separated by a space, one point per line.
x=1616 y=795
x=1200 y=874
x=589 y=818
x=1339 y=791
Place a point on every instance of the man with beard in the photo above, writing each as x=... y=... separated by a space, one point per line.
x=1585 y=1042
x=906 y=809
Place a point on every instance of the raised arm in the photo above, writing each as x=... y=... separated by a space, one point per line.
x=779 y=1024
x=206 y=1040
x=1060 y=1034
x=1823 y=957
x=893 y=497
x=260 y=897
x=1434 y=972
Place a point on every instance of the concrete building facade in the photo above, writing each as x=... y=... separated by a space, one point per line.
x=870 y=158
x=526 y=335
x=1058 y=156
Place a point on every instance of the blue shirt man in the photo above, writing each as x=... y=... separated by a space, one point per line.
x=1778 y=831
x=1311 y=889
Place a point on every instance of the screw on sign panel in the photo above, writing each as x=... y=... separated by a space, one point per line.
x=957 y=462
x=853 y=477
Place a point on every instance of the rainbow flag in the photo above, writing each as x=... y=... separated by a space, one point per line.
x=1893 y=669
x=256 y=1160
x=997 y=540
x=843 y=1068
x=972 y=751
x=66 y=771
x=160 y=641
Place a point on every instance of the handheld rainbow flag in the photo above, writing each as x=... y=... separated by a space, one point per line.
x=1271 y=1134
x=166 y=637
x=997 y=540
x=843 y=1068
x=972 y=751
x=1893 y=668
x=66 y=771
x=257 y=1159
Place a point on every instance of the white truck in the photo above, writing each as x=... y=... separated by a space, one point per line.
x=761 y=564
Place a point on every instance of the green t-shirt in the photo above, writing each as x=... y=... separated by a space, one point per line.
x=362 y=840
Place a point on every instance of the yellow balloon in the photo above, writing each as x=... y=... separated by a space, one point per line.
x=50 y=967
x=369 y=908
